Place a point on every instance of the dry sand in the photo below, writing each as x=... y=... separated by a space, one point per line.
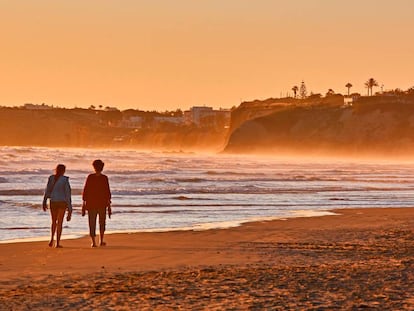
x=360 y=259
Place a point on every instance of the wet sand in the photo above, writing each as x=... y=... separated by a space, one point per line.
x=359 y=259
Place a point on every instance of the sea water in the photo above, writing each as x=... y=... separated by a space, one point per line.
x=156 y=191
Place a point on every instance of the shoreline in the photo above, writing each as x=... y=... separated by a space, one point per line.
x=361 y=258
x=287 y=228
x=219 y=225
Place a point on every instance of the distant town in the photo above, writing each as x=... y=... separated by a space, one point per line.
x=200 y=126
x=199 y=116
x=42 y=124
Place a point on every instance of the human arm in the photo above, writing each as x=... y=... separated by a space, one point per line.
x=109 y=210
x=68 y=199
x=108 y=190
x=83 y=208
x=85 y=196
x=47 y=194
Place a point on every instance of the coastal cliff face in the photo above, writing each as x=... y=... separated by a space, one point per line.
x=372 y=126
x=90 y=128
x=57 y=127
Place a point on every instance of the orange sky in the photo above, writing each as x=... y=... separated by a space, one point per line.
x=168 y=54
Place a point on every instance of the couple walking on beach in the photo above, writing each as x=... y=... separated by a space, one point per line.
x=96 y=197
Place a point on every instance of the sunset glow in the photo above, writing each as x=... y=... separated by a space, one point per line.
x=176 y=54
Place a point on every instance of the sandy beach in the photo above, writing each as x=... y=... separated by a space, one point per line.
x=357 y=259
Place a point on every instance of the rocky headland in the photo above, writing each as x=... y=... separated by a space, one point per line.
x=370 y=125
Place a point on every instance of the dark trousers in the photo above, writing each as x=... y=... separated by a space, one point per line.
x=92 y=214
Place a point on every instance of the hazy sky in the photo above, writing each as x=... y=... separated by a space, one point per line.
x=168 y=54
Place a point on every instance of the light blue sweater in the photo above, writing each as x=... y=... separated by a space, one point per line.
x=61 y=191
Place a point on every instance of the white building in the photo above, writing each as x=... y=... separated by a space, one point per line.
x=170 y=120
x=202 y=116
x=43 y=106
x=196 y=114
x=348 y=101
x=132 y=122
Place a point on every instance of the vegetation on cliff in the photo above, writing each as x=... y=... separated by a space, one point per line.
x=77 y=127
x=382 y=124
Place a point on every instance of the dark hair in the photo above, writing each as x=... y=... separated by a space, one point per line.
x=98 y=165
x=60 y=170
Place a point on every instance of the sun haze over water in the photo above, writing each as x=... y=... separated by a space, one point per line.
x=176 y=54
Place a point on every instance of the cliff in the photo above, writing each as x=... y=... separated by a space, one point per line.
x=55 y=127
x=96 y=128
x=374 y=126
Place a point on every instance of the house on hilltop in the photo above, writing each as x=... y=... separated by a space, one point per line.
x=30 y=106
x=202 y=116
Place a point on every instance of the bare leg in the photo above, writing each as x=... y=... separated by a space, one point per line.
x=102 y=220
x=61 y=214
x=101 y=237
x=92 y=226
x=53 y=214
x=93 y=241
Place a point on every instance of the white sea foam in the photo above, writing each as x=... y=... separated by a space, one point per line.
x=40 y=239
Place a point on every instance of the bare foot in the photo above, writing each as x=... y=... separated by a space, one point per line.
x=93 y=245
x=51 y=243
x=58 y=246
x=102 y=244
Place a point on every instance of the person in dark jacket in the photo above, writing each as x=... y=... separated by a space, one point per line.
x=97 y=201
x=59 y=194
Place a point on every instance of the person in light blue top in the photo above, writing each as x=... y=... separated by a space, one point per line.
x=59 y=194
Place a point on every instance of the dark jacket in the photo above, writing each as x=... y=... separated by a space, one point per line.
x=96 y=192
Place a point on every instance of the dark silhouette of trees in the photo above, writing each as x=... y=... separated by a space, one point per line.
x=410 y=90
x=313 y=96
x=111 y=118
x=330 y=92
x=370 y=84
x=348 y=86
x=178 y=113
x=303 y=92
x=295 y=90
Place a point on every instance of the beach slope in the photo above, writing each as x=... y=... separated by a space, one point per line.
x=359 y=258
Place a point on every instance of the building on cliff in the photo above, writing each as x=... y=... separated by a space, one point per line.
x=202 y=116
x=30 y=106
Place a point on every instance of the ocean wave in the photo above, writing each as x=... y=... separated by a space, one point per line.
x=37 y=192
x=22 y=192
x=138 y=172
x=182 y=192
x=161 y=205
x=191 y=180
x=14 y=204
x=39 y=172
x=24 y=228
x=153 y=212
x=170 y=161
x=44 y=172
x=235 y=173
x=79 y=176
x=23 y=149
x=192 y=211
x=182 y=198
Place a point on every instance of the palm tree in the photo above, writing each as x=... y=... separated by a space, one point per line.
x=370 y=84
x=348 y=86
x=295 y=90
